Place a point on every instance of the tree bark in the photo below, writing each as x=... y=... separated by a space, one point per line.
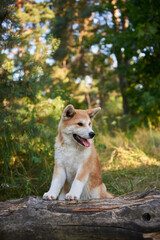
x=123 y=84
x=121 y=23
x=132 y=217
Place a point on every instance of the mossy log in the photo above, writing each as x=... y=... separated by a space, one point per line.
x=133 y=217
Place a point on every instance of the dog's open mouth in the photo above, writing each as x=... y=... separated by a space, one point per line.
x=82 y=141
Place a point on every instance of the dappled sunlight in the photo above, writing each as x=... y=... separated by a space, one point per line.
x=127 y=158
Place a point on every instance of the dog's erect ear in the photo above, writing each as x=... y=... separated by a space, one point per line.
x=93 y=112
x=68 y=112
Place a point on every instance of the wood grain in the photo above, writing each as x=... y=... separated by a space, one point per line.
x=127 y=218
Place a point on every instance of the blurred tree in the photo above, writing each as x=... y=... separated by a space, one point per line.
x=30 y=104
x=144 y=92
x=75 y=27
x=135 y=44
x=115 y=28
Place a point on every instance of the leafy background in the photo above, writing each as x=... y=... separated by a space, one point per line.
x=87 y=53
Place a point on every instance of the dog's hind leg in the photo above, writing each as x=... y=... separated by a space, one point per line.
x=64 y=191
x=104 y=193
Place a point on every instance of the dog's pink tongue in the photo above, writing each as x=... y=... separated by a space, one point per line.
x=85 y=142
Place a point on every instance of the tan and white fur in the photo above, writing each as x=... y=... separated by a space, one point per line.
x=77 y=171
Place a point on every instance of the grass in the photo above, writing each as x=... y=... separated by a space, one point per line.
x=130 y=164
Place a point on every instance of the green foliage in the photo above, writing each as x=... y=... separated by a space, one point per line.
x=119 y=28
x=27 y=145
x=30 y=105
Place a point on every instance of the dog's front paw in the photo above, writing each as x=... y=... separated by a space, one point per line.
x=49 y=196
x=70 y=196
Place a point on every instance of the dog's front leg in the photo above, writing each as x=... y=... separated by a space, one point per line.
x=77 y=186
x=75 y=191
x=58 y=180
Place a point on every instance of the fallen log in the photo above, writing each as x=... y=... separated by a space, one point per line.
x=133 y=217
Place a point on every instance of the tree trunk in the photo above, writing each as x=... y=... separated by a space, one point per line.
x=133 y=217
x=123 y=84
x=121 y=22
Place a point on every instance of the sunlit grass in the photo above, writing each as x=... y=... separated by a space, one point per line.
x=130 y=165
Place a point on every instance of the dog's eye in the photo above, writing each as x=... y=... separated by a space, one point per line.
x=80 y=124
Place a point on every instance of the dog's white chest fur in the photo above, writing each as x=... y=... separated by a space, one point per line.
x=71 y=159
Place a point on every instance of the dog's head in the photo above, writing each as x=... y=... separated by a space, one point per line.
x=76 y=125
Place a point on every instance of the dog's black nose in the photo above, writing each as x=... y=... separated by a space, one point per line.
x=91 y=134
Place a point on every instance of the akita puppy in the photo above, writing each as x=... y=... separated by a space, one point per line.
x=77 y=170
